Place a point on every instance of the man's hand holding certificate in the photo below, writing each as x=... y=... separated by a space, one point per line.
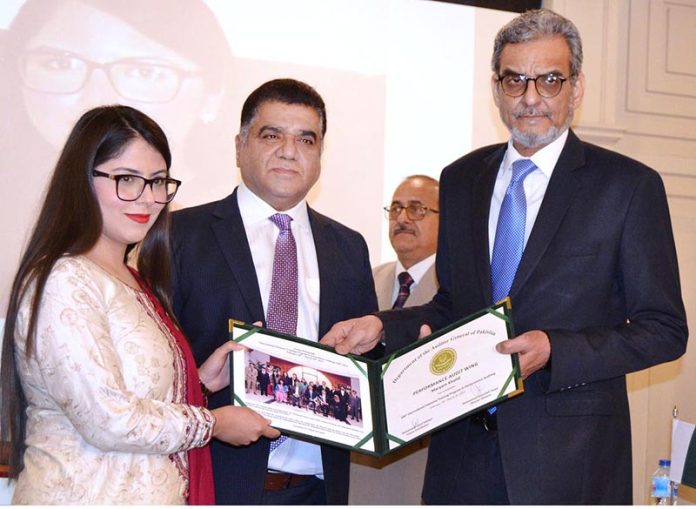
x=376 y=406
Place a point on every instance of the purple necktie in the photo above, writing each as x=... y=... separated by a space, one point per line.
x=405 y=282
x=281 y=315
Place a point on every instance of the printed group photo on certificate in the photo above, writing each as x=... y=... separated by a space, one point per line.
x=303 y=388
x=375 y=406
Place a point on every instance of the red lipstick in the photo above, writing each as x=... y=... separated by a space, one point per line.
x=139 y=218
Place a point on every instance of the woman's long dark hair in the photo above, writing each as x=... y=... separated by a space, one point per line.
x=70 y=223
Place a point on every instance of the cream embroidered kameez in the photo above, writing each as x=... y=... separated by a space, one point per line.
x=106 y=418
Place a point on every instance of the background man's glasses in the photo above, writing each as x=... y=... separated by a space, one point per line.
x=547 y=85
x=131 y=187
x=62 y=72
x=414 y=211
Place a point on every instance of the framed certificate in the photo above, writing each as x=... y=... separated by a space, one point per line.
x=375 y=406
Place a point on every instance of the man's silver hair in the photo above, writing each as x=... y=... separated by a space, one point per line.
x=539 y=24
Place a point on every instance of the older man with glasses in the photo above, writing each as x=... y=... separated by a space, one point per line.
x=413 y=218
x=410 y=280
x=580 y=239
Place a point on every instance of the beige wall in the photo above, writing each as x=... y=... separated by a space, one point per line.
x=640 y=100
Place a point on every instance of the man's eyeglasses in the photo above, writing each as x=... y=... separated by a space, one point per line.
x=414 y=211
x=63 y=72
x=131 y=187
x=547 y=85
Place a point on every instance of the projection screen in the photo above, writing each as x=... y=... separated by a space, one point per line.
x=406 y=83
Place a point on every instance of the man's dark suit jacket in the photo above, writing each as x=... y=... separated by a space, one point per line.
x=601 y=253
x=214 y=280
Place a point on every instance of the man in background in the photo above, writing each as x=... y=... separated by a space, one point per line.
x=413 y=219
x=409 y=281
x=262 y=254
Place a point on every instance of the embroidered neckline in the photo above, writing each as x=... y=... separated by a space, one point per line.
x=111 y=276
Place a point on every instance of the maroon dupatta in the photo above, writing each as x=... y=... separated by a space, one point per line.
x=201 y=488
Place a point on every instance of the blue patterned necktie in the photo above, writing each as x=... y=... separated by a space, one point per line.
x=281 y=314
x=509 y=234
x=405 y=282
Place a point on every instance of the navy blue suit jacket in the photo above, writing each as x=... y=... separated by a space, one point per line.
x=214 y=280
x=599 y=274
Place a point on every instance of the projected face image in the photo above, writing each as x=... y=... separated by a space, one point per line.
x=61 y=58
x=84 y=57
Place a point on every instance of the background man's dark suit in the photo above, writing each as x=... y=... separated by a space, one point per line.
x=601 y=250
x=214 y=279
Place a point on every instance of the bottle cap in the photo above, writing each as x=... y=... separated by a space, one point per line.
x=665 y=463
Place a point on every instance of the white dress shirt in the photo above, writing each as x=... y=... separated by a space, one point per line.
x=417 y=271
x=292 y=456
x=534 y=185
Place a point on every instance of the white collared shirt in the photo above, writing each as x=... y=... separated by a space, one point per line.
x=417 y=271
x=535 y=184
x=292 y=456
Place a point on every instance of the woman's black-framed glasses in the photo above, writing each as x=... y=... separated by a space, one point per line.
x=547 y=85
x=131 y=187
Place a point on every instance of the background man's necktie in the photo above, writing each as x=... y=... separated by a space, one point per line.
x=281 y=315
x=509 y=234
x=405 y=282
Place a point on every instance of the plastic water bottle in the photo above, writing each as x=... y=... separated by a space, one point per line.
x=675 y=493
x=661 y=485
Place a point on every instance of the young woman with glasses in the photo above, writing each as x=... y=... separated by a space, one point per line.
x=101 y=399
